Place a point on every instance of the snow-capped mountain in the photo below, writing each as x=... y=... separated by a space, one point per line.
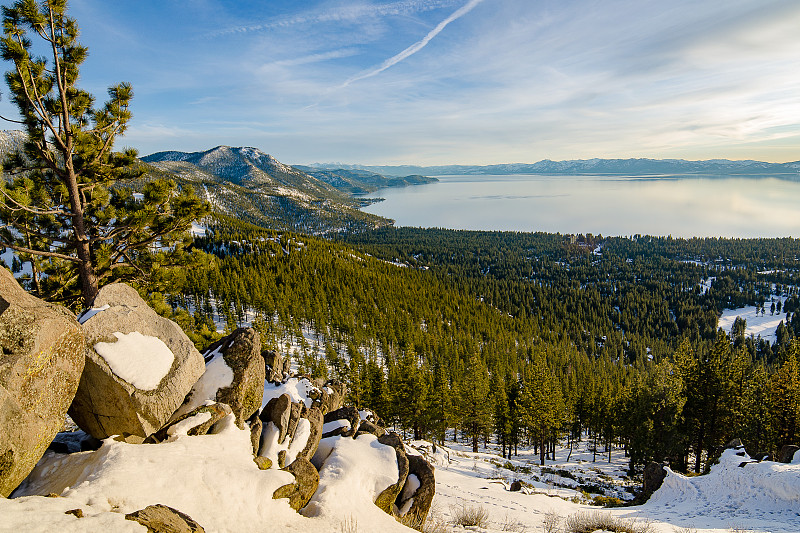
x=251 y=168
x=591 y=166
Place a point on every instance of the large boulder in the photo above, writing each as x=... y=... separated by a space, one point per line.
x=41 y=360
x=234 y=375
x=652 y=479
x=305 y=485
x=162 y=519
x=289 y=431
x=341 y=422
x=786 y=455
x=199 y=421
x=415 y=499
x=389 y=495
x=274 y=366
x=139 y=367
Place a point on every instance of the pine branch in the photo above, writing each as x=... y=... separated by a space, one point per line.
x=34 y=211
x=40 y=253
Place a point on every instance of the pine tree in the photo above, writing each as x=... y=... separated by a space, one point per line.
x=541 y=404
x=475 y=408
x=784 y=392
x=62 y=210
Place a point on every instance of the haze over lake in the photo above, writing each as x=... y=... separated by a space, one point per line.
x=681 y=206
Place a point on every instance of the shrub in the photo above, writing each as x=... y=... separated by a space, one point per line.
x=606 y=501
x=470 y=516
x=591 y=522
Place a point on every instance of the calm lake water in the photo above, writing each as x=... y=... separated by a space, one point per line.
x=681 y=206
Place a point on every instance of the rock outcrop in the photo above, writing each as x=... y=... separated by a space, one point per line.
x=139 y=368
x=652 y=479
x=414 y=501
x=387 y=498
x=239 y=356
x=304 y=487
x=275 y=366
x=786 y=455
x=289 y=431
x=41 y=360
x=162 y=519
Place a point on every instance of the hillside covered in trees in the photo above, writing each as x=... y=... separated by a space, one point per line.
x=523 y=338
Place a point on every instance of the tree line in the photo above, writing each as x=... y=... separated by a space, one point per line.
x=521 y=338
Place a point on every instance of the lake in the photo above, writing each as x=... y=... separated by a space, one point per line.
x=681 y=206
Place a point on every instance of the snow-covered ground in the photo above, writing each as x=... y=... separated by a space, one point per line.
x=757 y=324
x=214 y=480
x=757 y=498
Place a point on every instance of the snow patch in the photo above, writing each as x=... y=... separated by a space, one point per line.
x=218 y=375
x=141 y=360
x=297 y=389
x=352 y=476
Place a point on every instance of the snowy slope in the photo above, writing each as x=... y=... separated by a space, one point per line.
x=212 y=478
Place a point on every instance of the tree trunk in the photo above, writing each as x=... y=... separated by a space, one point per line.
x=541 y=452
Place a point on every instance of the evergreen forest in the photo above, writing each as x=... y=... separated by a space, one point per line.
x=521 y=338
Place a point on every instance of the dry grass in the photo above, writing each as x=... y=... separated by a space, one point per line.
x=348 y=525
x=512 y=525
x=551 y=522
x=590 y=522
x=469 y=515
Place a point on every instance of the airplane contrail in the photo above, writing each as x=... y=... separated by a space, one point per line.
x=416 y=47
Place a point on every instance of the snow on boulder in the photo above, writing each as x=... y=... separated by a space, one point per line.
x=416 y=498
x=139 y=368
x=211 y=478
x=386 y=499
x=234 y=375
x=343 y=421
x=299 y=389
x=41 y=360
x=141 y=360
x=743 y=491
x=199 y=421
x=289 y=431
x=353 y=473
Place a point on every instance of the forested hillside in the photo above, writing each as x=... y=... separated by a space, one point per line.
x=524 y=337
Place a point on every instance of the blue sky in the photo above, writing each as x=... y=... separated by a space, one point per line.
x=453 y=81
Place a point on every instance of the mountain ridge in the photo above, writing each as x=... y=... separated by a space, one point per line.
x=645 y=166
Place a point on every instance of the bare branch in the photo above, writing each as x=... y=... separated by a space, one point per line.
x=40 y=253
x=12 y=120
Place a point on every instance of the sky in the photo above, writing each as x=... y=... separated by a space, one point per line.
x=452 y=81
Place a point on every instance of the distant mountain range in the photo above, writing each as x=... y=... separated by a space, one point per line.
x=247 y=183
x=253 y=186
x=588 y=166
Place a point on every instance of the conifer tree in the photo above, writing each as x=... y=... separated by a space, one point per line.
x=541 y=404
x=785 y=398
x=475 y=408
x=61 y=210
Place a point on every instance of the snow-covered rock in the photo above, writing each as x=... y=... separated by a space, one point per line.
x=139 y=368
x=234 y=375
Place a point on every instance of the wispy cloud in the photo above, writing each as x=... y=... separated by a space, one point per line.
x=314 y=58
x=355 y=12
x=416 y=47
